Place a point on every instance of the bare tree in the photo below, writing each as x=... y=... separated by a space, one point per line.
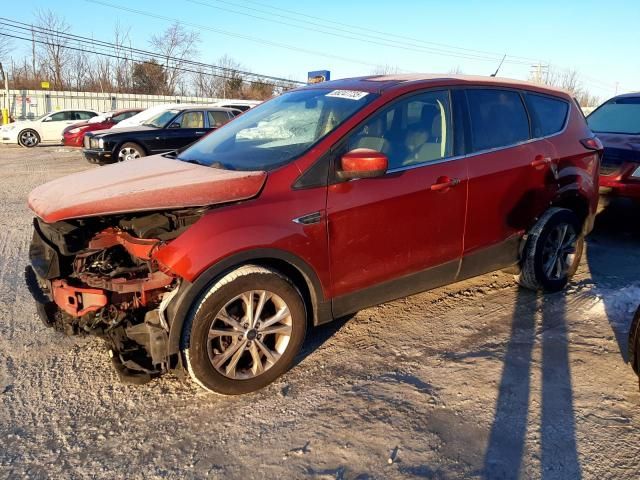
x=385 y=70
x=174 y=47
x=5 y=47
x=77 y=74
x=123 y=64
x=567 y=79
x=52 y=51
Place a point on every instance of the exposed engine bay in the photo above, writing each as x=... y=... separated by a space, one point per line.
x=98 y=276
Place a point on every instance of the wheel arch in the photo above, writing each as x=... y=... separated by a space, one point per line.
x=294 y=268
x=574 y=200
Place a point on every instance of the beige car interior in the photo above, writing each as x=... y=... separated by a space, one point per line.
x=411 y=133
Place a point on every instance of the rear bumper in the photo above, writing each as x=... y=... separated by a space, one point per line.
x=97 y=156
x=620 y=183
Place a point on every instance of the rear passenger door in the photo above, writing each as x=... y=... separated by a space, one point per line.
x=511 y=179
x=218 y=118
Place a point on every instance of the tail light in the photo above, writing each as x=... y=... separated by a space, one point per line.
x=592 y=143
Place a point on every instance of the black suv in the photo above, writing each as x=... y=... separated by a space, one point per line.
x=169 y=130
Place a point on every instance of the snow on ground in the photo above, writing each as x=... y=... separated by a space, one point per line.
x=476 y=380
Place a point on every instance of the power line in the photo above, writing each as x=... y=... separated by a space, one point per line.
x=365 y=38
x=359 y=28
x=261 y=41
x=100 y=45
x=118 y=57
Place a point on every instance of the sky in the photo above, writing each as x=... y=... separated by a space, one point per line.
x=288 y=38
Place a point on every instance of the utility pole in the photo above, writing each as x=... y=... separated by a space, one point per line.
x=617 y=84
x=537 y=72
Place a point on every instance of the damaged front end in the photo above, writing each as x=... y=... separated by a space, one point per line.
x=98 y=276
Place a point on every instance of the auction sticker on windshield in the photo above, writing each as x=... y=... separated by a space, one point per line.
x=349 y=94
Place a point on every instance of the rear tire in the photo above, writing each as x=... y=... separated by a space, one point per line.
x=29 y=138
x=130 y=151
x=232 y=349
x=552 y=251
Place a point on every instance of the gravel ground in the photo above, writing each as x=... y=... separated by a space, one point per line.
x=479 y=379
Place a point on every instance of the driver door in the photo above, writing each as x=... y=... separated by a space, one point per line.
x=52 y=127
x=400 y=233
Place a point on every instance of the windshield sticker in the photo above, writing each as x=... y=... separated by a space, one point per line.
x=348 y=94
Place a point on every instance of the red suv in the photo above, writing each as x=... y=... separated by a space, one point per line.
x=73 y=136
x=318 y=203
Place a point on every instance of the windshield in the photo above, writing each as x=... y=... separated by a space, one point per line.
x=161 y=119
x=621 y=115
x=277 y=131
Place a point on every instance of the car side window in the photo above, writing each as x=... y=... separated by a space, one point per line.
x=217 y=118
x=61 y=116
x=498 y=118
x=412 y=131
x=81 y=115
x=550 y=113
x=191 y=120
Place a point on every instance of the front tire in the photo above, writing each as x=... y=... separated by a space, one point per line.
x=552 y=251
x=29 y=138
x=244 y=332
x=130 y=151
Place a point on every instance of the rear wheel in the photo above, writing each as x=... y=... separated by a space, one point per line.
x=552 y=251
x=28 y=138
x=244 y=332
x=130 y=151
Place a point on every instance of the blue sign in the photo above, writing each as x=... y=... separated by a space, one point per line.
x=319 y=76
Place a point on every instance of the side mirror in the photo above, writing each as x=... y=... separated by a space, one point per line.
x=175 y=125
x=362 y=163
x=48 y=119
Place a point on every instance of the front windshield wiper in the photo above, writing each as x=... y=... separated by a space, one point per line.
x=150 y=125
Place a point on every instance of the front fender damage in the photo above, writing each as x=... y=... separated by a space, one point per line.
x=100 y=277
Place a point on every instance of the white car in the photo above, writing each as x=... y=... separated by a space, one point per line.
x=140 y=118
x=45 y=129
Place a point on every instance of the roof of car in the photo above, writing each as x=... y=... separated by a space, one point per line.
x=627 y=95
x=379 y=83
x=184 y=108
x=124 y=110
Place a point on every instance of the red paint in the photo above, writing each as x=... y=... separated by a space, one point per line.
x=621 y=183
x=372 y=230
x=148 y=183
x=77 y=301
x=137 y=247
x=364 y=162
x=76 y=138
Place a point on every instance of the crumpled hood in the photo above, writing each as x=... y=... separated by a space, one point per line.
x=148 y=183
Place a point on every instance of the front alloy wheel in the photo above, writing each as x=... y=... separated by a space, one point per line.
x=129 y=151
x=29 y=138
x=245 y=331
x=249 y=334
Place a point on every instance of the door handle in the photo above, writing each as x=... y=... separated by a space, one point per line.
x=200 y=133
x=540 y=161
x=444 y=183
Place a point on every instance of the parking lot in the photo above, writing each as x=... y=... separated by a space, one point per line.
x=479 y=378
